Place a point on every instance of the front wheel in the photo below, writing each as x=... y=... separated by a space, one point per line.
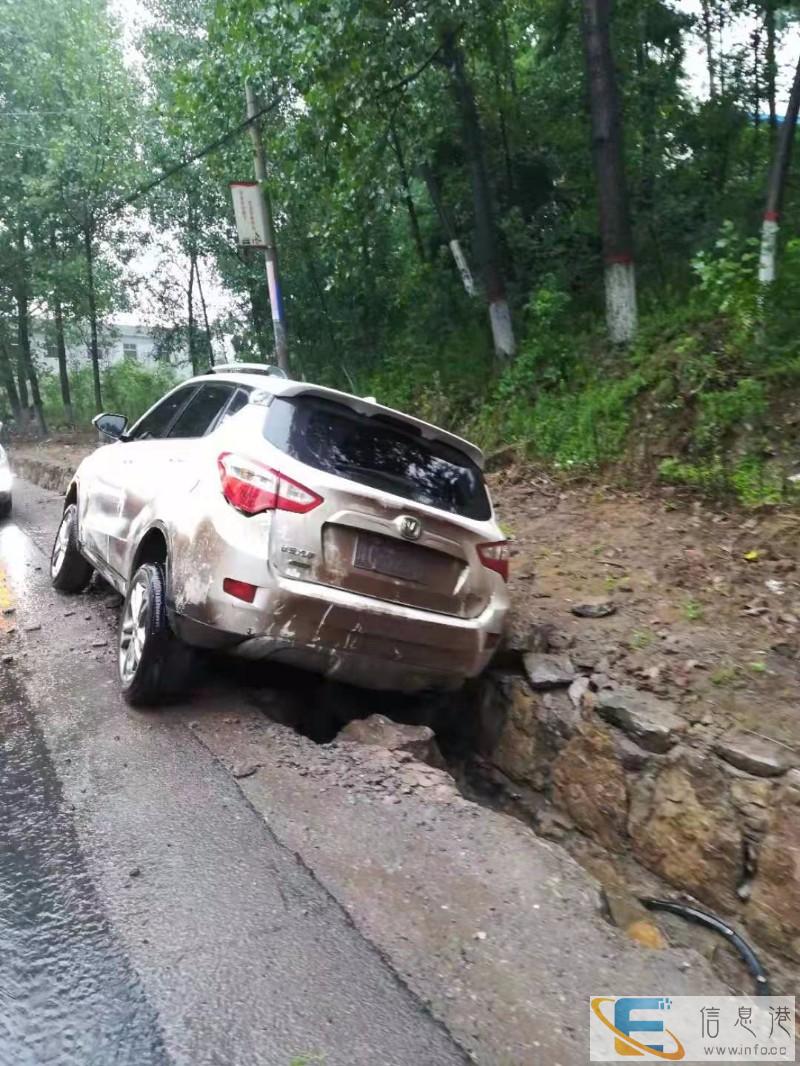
x=152 y=661
x=69 y=571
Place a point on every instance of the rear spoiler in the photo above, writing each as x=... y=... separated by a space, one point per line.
x=369 y=408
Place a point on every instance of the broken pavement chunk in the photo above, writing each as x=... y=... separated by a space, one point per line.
x=417 y=740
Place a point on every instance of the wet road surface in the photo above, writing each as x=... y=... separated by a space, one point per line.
x=147 y=912
x=68 y=992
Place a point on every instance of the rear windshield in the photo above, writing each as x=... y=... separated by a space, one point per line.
x=381 y=452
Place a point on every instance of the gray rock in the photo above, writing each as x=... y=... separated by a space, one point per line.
x=594 y=608
x=553 y=824
x=653 y=723
x=521 y=635
x=755 y=755
x=245 y=770
x=603 y=681
x=382 y=732
x=632 y=757
x=548 y=671
x=559 y=716
x=578 y=690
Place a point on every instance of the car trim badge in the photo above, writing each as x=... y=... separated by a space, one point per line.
x=409 y=526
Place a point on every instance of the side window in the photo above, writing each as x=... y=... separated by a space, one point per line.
x=240 y=399
x=154 y=425
x=201 y=411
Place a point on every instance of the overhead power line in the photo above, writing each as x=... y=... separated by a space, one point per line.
x=176 y=168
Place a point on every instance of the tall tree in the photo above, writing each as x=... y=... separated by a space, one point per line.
x=777 y=184
x=615 y=227
x=485 y=227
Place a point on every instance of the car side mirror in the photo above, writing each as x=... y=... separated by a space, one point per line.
x=109 y=427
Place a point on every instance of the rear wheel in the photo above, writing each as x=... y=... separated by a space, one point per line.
x=69 y=571
x=153 y=663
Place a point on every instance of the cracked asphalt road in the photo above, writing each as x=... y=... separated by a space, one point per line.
x=336 y=905
x=149 y=915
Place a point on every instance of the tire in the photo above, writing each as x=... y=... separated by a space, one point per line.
x=153 y=664
x=5 y=508
x=69 y=571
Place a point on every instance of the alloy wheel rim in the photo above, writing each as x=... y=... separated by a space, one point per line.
x=60 y=547
x=133 y=633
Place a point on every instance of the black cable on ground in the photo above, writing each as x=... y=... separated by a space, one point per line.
x=694 y=914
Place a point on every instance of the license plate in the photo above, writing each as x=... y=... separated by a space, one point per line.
x=383 y=556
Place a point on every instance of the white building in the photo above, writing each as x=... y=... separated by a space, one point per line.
x=116 y=343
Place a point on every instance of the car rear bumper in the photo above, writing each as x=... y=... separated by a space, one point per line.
x=353 y=638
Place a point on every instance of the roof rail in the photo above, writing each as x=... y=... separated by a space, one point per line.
x=248 y=368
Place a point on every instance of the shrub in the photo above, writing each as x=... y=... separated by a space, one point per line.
x=128 y=388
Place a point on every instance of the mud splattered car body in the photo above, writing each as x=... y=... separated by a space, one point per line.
x=303 y=525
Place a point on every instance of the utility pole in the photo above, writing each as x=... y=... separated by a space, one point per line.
x=270 y=251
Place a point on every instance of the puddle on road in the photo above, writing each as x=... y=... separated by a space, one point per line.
x=68 y=995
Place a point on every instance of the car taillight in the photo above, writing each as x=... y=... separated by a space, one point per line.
x=495 y=557
x=252 y=488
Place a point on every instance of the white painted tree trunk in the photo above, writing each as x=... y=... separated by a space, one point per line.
x=769 y=242
x=621 y=312
x=463 y=267
x=502 y=330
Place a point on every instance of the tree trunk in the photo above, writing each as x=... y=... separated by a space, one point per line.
x=708 y=40
x=209 y=345
x=615 y=226
x=446 y=222
x=369 y=315
x=24 y=344
x=485 y=230
x=777 y=185
x=61 y=348
x=413 y=220
x=61 y=351
x=308 y=256
x=190 y=313
x=769 y=23
x=94 y=346
x=259 y=311
x=755 y=40
x=7 y=380
x=22 y=379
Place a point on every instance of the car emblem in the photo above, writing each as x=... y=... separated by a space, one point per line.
x=410 y=527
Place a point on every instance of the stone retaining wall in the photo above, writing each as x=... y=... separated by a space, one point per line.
x=715 y=816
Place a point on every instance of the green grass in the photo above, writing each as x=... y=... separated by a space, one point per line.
x=642 y=638
x=723 y=675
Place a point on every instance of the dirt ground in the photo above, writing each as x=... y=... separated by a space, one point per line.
x=707 y=600
x=54 y=451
